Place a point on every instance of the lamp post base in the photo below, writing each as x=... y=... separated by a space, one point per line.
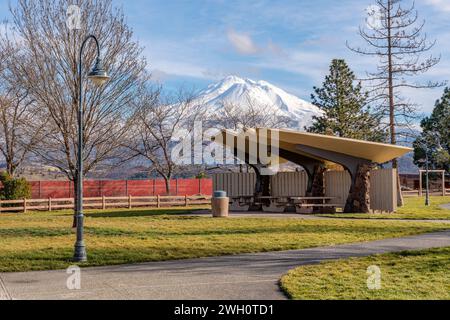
x=80 y=253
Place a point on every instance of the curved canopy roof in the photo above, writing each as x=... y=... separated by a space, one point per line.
x=318 y=147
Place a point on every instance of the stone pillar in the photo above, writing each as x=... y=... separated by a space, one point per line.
x=359 y=198
x=318 y=185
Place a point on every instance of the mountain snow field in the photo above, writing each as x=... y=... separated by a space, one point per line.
x=239 y=91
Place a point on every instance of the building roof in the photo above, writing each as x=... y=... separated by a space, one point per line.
x=297 y=142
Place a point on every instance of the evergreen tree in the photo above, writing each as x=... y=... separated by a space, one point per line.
x=436 y=135
x=345 y=107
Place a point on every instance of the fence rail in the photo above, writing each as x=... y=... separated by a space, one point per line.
x=416 y=193
x=104 y=203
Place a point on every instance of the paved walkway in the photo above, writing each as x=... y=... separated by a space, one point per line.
x=250 y=276
x=238 y=215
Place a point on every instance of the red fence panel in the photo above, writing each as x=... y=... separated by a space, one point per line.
x=186 y=187
x=206 y=187
x=140 y=188
x=92 y=189
x=52 y=189
x=121 y=188
x=114 y=188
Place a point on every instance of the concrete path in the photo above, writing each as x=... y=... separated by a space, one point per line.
x=446 y=206
x=239 y=215
x=250 y=276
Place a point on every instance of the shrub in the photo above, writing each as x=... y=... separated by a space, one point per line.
x=201 y=176
x=14 y=189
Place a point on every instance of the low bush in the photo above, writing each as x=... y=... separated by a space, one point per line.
x=14 y=189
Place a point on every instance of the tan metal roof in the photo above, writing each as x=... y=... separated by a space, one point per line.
x=375 y=152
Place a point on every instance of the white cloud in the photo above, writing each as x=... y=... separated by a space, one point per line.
x=242 y=42
x=443 y=5
x=180 y=68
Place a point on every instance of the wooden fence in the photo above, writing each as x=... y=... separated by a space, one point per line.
x=243 y=184
x=416 y=193
x=235 y=184
x=383 y=190
x=337 y=185
x=289 y=183
x=103 y=203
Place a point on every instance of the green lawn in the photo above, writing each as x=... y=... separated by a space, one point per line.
x=42 y=241
x=414 y=209
x=420 y=275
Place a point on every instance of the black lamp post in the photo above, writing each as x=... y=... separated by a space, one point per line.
x=427 y=179
x=98 y=76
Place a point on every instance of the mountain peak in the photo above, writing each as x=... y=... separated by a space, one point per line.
x=233 y=78
x=237 y=90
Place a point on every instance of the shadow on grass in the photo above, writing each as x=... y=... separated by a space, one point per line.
x=228 y=230
x=142 y=213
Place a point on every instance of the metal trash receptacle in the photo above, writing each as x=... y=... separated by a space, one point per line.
x=220 y=204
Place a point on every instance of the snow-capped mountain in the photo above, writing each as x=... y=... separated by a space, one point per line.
x=238 y=91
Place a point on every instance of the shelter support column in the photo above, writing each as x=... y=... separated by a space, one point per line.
x=318 y=185
x=309 y=164
x=263 y=185
x=318 y=179
x=359 y=198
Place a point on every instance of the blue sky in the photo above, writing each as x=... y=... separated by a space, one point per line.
x=289 y=43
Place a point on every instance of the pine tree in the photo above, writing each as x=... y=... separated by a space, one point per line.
x=436 y=135
x=345 y=109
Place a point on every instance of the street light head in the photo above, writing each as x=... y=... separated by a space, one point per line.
x=98 y=75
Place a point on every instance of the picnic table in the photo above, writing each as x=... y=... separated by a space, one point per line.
x=274 y=204
x=241 y=203
x=308 y=204
x=280 y=204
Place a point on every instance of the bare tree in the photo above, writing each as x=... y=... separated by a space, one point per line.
x=48 y=69
x=157 y=122
x=250 y=114
x=395 y=36
x=21 y=126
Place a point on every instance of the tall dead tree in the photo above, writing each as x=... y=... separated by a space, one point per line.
x=394 y=34
x=48 y=69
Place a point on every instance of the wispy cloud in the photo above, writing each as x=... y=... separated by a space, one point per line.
x=278 y=41
x=242 y=42
x=440 y=4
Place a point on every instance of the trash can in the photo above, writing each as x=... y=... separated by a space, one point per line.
x=220 y=204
